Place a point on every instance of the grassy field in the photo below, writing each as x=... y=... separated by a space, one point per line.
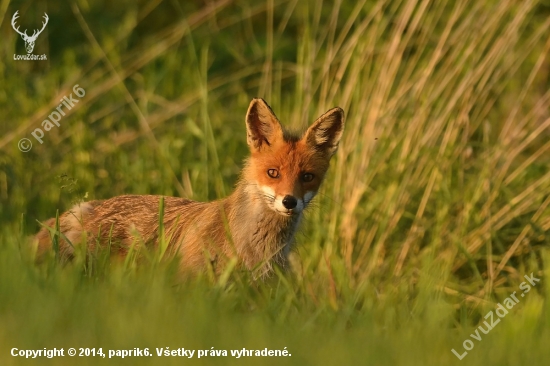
x=435 y=208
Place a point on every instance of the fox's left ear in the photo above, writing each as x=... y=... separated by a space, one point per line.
x=326 y=131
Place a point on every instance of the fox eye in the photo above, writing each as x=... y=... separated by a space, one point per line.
x=273 y=173
x=307 y=177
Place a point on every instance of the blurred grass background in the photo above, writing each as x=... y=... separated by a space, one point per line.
x=436 y=205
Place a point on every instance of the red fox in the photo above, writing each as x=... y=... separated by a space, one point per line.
x=255 y=225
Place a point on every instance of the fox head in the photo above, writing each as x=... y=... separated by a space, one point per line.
x=287 y=169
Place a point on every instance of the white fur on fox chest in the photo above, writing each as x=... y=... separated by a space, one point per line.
x=264 y=234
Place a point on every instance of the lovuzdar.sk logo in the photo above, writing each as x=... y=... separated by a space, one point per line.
x=29 y=40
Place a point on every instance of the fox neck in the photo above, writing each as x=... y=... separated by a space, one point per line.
x=260 y=235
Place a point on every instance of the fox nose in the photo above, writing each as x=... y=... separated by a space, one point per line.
x=289 y=202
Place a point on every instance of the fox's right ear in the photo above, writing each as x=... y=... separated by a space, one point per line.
x=262 y=126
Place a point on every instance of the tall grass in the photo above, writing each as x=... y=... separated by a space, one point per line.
x=435 y=207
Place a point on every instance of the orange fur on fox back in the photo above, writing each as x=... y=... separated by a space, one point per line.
x=256 y=224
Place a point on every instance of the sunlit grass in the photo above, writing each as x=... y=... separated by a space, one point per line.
x=433 y=210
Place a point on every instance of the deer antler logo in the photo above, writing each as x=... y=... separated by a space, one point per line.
x=29 y=40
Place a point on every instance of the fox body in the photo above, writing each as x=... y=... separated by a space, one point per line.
x=255 y=225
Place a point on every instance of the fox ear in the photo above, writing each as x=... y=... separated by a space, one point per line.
x=262 y=126
x=326 y=131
